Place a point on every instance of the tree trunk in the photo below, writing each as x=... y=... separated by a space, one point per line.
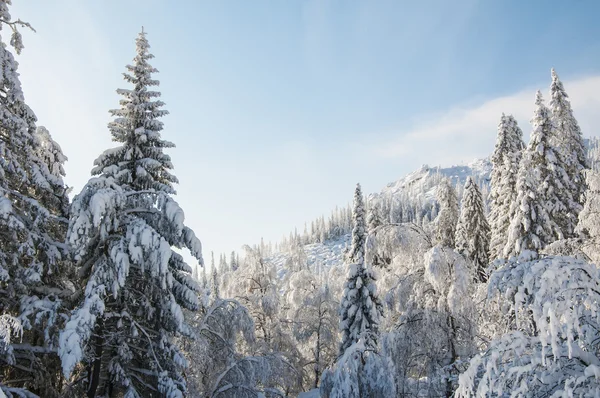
x=453 y=356
x=96 y=365
x=318 y=356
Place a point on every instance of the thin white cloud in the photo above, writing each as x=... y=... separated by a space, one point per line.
x=461 y=134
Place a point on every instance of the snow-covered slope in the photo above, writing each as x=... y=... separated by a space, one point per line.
x=422 y=183
x=315 y=393
x=318 y=255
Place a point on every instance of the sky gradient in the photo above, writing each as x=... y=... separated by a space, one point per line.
x=278 y=108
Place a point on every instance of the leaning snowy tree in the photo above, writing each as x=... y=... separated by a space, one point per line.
x=473 y=230
x=537 y=208
x=571 y=156
x=505 y=166
x=33 y=258
x=449 y=213
x=123 y=228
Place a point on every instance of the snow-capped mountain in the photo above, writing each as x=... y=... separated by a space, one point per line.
x=422 y=183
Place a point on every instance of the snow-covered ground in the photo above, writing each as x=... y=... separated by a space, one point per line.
x=318 y=254
x=314 y=393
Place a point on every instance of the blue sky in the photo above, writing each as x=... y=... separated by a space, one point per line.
x=279 y=107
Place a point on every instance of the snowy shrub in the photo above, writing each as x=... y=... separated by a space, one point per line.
x=552 y=306
x=360 y=372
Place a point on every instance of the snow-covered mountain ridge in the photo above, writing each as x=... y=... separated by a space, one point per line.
x=422 y=182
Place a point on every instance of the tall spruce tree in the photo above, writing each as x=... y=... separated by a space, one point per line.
x=34 y=262
x=449 y=213
x=536 y=210
x=505 y=166
x=361 y=309
x=123 y=226
x=473 y=230
x=571 y=156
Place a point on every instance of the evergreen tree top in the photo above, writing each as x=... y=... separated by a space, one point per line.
x=557 y=88
x=469 y=184
x=139 y=162
x=508 y=140
x=357 y=251
x=539 y=100
x=568 y=135
x=542 y=125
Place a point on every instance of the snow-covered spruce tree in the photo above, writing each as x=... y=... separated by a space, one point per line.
x=538 y=207
x=361 y=310
x=359 y=230
x=505 y=166
x=375 y=218
x=448 y=215
x=140 y=162
x=33 y=257
x=473 y=230
x=123 y=227
x=360 y=372
x=571 y=156
x=552 y=350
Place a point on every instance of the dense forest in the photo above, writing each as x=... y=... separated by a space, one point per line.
x=454 y=287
